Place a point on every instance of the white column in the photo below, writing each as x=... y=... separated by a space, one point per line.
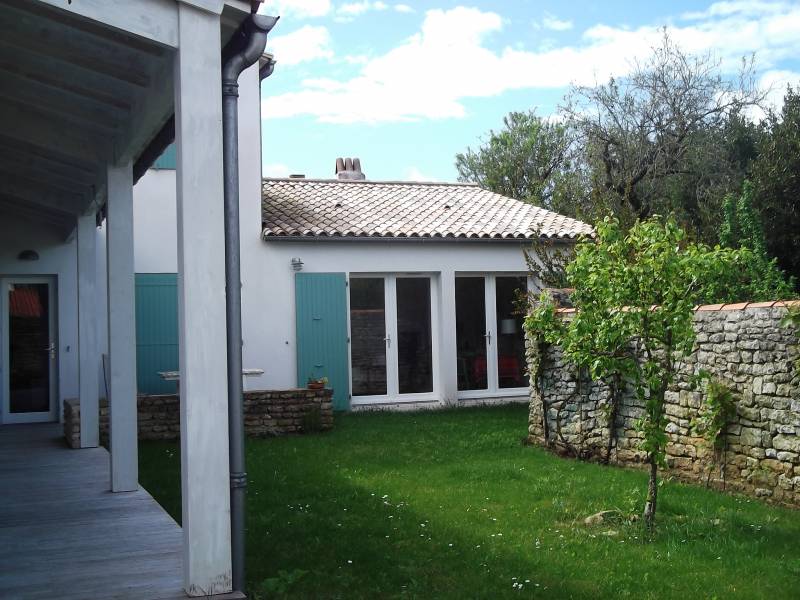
x=201 y=305
x=121 y=330
x=448 y=361
x=88 y=356
x=251 y=250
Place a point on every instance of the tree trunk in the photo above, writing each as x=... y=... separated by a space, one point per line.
x=652 y=493
x=612 y=416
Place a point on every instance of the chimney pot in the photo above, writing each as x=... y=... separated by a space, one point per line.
x=350 y=169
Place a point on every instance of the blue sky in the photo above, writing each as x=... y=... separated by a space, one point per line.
x=407 y=85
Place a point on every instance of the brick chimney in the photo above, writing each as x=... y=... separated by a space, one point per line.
x=349 y=168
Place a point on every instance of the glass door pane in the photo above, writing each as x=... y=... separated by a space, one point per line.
x=471 y=333
x=414 y=341
x=29 y=349
x=511 y=371
x=368 y=336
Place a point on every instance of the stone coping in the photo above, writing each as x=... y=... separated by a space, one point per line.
x=721 y=307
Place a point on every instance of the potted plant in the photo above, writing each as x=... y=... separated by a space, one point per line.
x=317 y=383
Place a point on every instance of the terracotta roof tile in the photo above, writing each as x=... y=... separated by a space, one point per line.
x=346 y=208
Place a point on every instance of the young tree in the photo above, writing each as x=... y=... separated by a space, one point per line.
x=635 y=294
x=519 y=161
x=648 y=134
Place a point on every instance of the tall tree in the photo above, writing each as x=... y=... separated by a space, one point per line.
x=648 y=132
x=776 y=181
x=520 y=160
x=760 y=277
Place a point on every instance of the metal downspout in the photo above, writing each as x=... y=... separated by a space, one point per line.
x=254 y=40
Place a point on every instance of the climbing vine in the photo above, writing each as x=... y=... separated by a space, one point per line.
x=715 y=415
x=792 y=319
x=713 y=418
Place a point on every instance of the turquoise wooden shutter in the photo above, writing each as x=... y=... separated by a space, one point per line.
x=321 y=307
x=168 y=158
x=156 y=331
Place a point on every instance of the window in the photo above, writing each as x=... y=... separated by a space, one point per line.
x=368 y=336
x=471 y=333
x=511 y=371
x=490 y=338
x=391 y=337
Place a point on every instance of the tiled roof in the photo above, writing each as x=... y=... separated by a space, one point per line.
x=317 y=208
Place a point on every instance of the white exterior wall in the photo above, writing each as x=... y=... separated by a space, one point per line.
x=269 y=330
x=155 y=222
x=57 y=258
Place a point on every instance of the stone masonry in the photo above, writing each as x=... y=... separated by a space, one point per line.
x=743 y=346
x=266 y=413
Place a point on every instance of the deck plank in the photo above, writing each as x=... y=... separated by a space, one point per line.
x=64 y=535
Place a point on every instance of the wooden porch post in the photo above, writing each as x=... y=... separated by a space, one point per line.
x=121 y=331
x=201 y=303
x=88 y=357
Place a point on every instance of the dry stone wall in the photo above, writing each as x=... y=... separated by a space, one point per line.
x=266 y=413
x=745 y=347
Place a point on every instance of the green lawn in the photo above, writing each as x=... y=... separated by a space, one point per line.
x=452 y=505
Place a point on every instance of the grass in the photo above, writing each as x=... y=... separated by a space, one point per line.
x=452 y=505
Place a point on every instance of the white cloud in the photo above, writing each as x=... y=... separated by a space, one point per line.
x=307 y=43
x=276 y=170
x=431 y=73
x=553 y=23
x=774 y=84
x=356 y=8
x=742 y=7
x=348 y=12
x=414 y=174
x=403 y=8
x=356 y=59
x=301 y=9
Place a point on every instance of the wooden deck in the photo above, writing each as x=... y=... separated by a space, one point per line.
x=64 y=535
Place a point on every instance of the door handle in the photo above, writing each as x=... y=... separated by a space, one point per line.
x=51 y=348
x=488 y=336
x=388 y=340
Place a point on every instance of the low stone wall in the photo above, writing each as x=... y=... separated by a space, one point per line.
x=72 y=422
x=745 y=347
x=266 y=413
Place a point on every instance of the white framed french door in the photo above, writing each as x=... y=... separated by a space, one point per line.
x=490 y=336
x=393 y=344
x=29 y=349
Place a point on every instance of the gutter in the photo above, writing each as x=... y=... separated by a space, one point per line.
x=409 y=239
x=166 y=135
x=243 y=50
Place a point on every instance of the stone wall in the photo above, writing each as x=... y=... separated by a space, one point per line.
x=743 y=346
x=266 y=413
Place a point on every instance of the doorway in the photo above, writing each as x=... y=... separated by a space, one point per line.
x=392 y=346
x=490 y=337
x=29 y=349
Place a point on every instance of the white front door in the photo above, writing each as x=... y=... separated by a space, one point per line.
x=490 y=337
x=392 y=341
x=29 y=349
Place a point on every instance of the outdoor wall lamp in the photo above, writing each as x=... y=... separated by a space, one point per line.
x=28 y=255
x=297 y=264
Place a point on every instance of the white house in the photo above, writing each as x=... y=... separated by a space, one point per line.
x=401 y=294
